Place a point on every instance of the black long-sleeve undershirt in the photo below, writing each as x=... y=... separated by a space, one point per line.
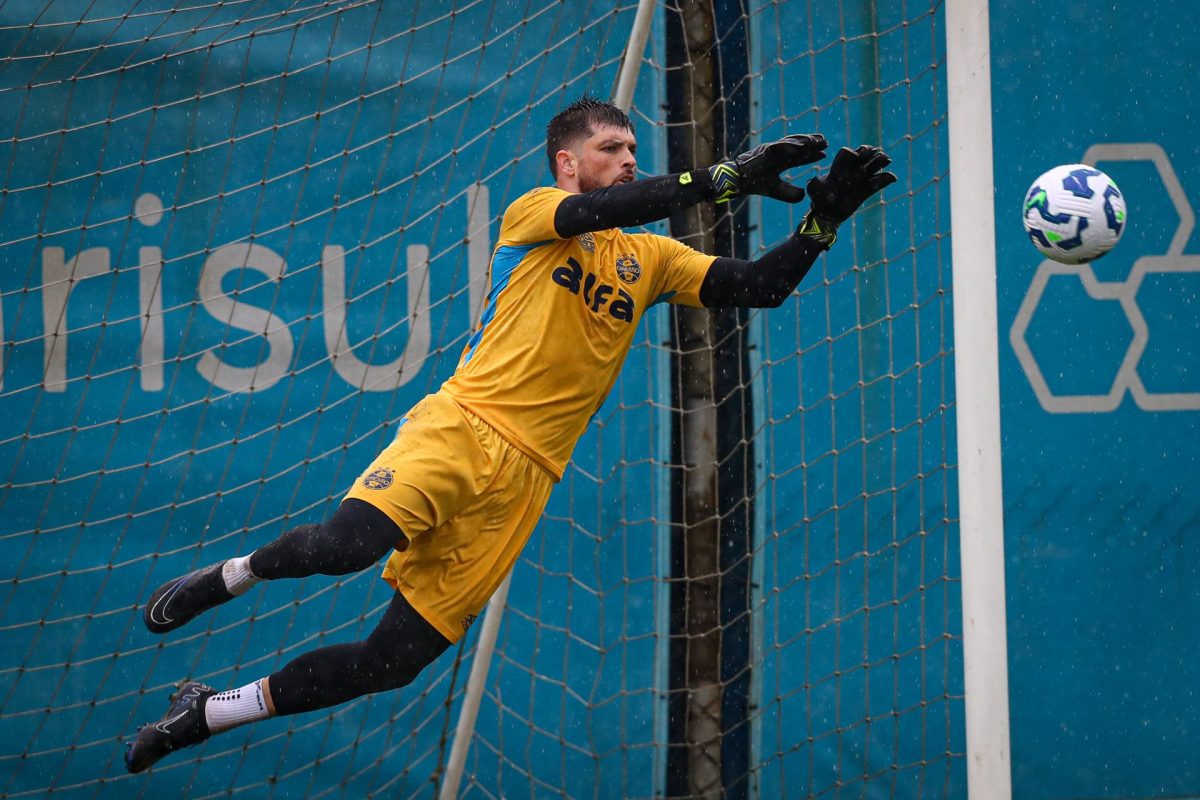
x=628 y=205
x=763 y=283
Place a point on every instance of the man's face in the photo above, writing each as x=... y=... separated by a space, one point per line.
x=605 y=158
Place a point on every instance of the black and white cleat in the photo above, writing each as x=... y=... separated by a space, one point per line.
x=179 y=601
x=182 y=726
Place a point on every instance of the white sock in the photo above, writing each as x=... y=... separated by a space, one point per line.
x=238 y=577
x=225 y=710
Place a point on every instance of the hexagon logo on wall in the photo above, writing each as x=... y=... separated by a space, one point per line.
x=1122 y=292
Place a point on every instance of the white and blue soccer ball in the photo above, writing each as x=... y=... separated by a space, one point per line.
x=1074 y=213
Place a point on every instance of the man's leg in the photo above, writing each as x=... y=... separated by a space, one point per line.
x=401 y=645
x=354 y=538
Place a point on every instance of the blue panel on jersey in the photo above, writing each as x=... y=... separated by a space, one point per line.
x=664 y=297
x=504 y=263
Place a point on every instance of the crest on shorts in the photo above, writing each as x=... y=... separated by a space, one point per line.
x=380 y=478
x=587 y=242
x=466 y=622
x=628 y=268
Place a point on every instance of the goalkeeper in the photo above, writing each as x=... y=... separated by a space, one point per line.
x=456 y=495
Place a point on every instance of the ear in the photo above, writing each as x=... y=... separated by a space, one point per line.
x=565 y=160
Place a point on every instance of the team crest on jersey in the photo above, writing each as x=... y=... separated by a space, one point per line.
x=380 y=478
x=587 y=242
x=628 y=268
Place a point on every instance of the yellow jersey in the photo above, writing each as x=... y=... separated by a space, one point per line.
x=559 y=319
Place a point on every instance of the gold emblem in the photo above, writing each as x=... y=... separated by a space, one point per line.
x=587 y=242
x=380 y=478
x=628 y=268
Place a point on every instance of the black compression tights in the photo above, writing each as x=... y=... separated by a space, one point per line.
x=401 y=645
x=354 y=538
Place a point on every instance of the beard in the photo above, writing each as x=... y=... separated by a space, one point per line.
x=589 y=183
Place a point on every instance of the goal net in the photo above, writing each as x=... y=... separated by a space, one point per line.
x=239 y=239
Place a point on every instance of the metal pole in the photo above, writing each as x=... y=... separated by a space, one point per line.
x=632 y=62
x=474 y=691
x=694 y=756
x=977 y=397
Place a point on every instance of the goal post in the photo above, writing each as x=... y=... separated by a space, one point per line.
x=977 y=397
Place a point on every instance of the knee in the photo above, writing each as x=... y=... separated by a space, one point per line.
x=396 y=659
x=386 y=669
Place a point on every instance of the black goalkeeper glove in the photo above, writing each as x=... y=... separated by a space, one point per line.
x=757 y=171
x=854 y=176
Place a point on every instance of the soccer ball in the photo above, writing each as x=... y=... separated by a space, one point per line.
x=1074 y=213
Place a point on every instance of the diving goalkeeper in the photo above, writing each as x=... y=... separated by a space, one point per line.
x=457 y=493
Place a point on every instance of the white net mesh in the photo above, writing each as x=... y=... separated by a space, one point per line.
x=240 y=239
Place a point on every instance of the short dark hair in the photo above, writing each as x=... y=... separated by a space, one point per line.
x=575 y=122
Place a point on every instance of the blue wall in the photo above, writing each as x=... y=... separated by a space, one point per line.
x=857 y=557
x=1102 y=511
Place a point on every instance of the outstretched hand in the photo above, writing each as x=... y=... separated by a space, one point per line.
x=854 y=176
x=758 y=171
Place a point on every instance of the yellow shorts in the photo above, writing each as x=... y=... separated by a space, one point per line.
x=466 y=500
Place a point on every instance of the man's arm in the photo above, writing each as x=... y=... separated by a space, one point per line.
x=628 y=205
x=763 y=283
x=767 y=281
